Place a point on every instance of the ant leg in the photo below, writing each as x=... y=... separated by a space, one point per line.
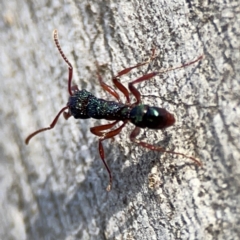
x=133 y=89
x=105 y=86
x=98 y=131
x=70 y=68
x=135 y=133
x=52 y=125
x=119 y=85
x=116 y=82
x=127 y=70
x=148 y=76
x=121 y=88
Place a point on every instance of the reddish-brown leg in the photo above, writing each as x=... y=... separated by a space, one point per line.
x=120 y=86
x=148 y=76
x=98 y=129
x=135 y=133
x=52 y=125
x=105 y=135
x=134 y=91
x=127 y=70
x=105 y=86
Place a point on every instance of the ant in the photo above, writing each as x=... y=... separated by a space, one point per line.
x=83 y=104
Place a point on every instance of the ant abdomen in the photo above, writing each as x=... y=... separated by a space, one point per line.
x=144 y=116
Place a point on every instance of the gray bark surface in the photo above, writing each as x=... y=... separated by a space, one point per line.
x=54 y=188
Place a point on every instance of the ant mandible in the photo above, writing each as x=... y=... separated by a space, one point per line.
x=83 y=104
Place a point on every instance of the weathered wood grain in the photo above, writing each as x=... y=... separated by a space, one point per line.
x=54 y=188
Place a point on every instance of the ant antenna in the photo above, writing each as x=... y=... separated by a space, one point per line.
x=70 y=68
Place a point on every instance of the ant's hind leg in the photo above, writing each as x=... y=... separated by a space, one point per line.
x=136 y=132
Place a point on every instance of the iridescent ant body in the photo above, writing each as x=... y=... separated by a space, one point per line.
x=83 y=105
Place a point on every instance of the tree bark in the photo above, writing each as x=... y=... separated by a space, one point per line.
x=54 y=188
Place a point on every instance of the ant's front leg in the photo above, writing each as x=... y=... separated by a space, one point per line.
x=52 y=125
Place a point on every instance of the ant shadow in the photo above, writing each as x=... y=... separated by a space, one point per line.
x=89 y=207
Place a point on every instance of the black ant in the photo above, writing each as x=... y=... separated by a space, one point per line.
x=83 y=104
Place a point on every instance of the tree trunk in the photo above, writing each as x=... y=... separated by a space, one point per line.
x=54 y=188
